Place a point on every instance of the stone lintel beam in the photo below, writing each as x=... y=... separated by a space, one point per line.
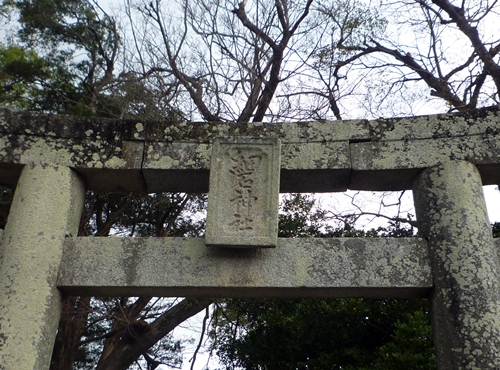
x=112 y=166
x=485 y=120
x=320 y=156
x=303 y=267
x=111 y=130
x=392 y=165
x=305 y=166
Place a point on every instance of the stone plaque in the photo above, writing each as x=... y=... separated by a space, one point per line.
x=244 y=193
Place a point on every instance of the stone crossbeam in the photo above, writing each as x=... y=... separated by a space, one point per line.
x=302 y=267
x=126 y=155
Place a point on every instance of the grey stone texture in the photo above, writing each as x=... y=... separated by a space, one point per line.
x=301 y=267
x=466 y=297
x=383 y=154
x=46 y=208
x=243 y=197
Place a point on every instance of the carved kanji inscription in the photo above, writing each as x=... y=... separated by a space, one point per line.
x=243 y=195
x=245 y=164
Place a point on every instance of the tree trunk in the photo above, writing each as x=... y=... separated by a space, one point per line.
x=72 y=326
x=133 y=343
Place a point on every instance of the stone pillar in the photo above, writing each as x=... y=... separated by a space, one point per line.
x=465 y=303
x=46 y=207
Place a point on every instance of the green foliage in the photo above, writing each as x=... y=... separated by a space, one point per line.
x=298 y=217
x=323 y=334
x=410 y=347
x=5 y=8
x=80 y=35
x=19 y=70
x=64 y=60
x=76 y=23
x=6 y=194
x=28 y=81
x=496 y=229
x=17 y=63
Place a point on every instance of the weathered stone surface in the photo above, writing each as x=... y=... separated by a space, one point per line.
x=177 y=156
x=26 y=149
x=295 y=156
x=391 y=165
x=481 y=121
x=46 y=207
x=244 y=193
x=70 y=127
x=466 y=297
x=384 y=154
x=319 y=166
x=303 y=267
x=315 y=131
x=103 y=165
x=22 y=122
x=414 y=154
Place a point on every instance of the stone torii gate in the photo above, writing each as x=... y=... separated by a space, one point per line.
x=445 y=159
